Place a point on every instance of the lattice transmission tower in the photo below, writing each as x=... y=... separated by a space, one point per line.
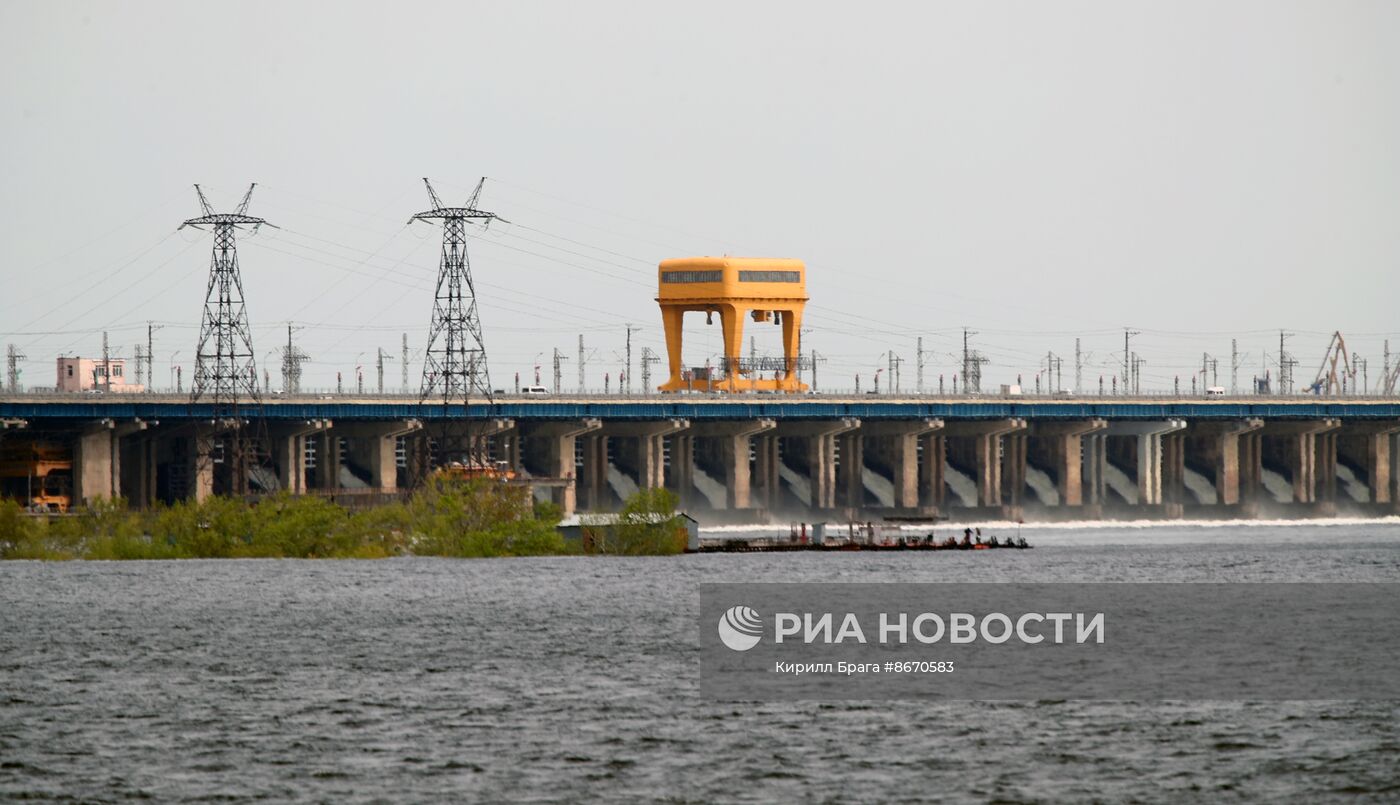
x=454 y=362
x=225 y=373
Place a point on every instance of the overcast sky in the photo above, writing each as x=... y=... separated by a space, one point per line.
x=1199 y=171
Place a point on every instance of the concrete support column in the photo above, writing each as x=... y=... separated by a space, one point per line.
x=547 y=449
x=289 y=451
x=1095 y=458
x=1251 y=466
x=816 y=443
x=593 y=472
x=328 y=460
x=977 y=445
x=1294 y=446
x=1013 y=461
x=1395 y=473
x=201 y=462
x=1174 y=472
x=766 y=477
x=1325 y=469
x=1367 y=446
x=1061 y=447
x=933 y=456
x=640 y=447
x=138 y=477
x=97 y=464
x=680 y=471
x=729 y=442
x=1227 y=449
x=1147 y=449
x=372 y=446
x=850 y=470
x=893 y=447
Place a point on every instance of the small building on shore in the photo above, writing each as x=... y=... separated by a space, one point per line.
x=95 y=374
x=594 y=529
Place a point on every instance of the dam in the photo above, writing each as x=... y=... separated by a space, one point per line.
x=756 y=457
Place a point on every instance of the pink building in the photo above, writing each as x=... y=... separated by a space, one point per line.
x=84 y=374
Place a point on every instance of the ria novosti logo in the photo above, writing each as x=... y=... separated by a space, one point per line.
x=740 y=628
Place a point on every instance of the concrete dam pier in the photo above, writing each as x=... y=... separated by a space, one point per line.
x=747 y=458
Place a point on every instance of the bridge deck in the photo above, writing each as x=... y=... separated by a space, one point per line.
x=696 y=407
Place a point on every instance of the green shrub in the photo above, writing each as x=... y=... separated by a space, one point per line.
x=448 y=517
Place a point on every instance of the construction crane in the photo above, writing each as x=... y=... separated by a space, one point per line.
x=1329 y=380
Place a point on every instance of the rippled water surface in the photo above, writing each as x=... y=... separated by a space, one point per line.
x=573 y=679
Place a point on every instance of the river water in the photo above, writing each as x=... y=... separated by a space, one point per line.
x=573 y=679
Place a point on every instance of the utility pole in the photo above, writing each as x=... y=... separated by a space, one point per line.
x=972 y=366
x=1127 y=357
x=815 y=360
x=893 y=376
x=626 y=385
x=1386 y=385
x=106 y=364
x=1078 y=369
x=1285 y=365
x=966 y=358
x=1234 y=367
x=151 y=328
x=1385 y=374
x=12 y=370
x=648 y=358
x=753 y=353
x=292 y=358
x=403 y=369
x=140 y=364
x=558 y=360
x=379 y=366
x=919 y=366
x=581 y=359
x=1137 y=373
x=1210 y=366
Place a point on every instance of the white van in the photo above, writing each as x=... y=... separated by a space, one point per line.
x=1215 y=391
x=535 y=391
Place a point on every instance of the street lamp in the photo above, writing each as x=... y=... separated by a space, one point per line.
x=267 y=377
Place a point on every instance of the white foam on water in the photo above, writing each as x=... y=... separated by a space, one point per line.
x=713 y=490
x=879 y=486
x=624 y=486
x=1353 y=486
x=801 y=487
x=1200 y=486
x=961 y=485
x=1278 y=486
x=1041 y=484
x=1119 y=482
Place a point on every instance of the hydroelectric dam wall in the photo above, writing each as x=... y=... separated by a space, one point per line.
x=757 y=456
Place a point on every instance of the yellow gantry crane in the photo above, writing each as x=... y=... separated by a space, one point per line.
x=765 y=289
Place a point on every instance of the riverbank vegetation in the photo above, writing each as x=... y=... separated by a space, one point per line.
x=476 y=518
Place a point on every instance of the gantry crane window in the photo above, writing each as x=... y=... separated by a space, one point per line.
x=770 y=276
x=693 y=276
